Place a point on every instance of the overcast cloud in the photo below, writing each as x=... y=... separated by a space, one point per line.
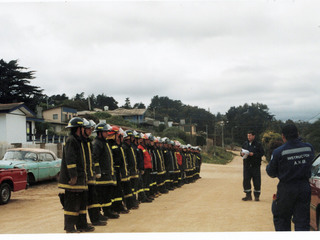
x=210 y=54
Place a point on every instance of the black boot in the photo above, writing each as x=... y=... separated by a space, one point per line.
x=247 y=197
x=256 y=196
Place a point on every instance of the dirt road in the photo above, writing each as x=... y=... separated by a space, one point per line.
x=211 y=204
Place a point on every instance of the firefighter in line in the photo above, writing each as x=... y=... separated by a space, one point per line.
x=73 y=178
x=197 y=153
x=154 y=192
x=121 y=173
x=130 y=150
x=178 y=156
x=106 y=184
x=93 y=172
x=128 y=195
x=161 y=169
x=142 y=197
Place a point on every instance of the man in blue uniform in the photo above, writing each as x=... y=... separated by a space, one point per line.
x=291 y=163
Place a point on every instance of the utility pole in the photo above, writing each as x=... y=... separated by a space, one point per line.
x=215 y=139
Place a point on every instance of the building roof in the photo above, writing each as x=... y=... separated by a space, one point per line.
x=64 y=108
x=10 y=107
x=127 y=112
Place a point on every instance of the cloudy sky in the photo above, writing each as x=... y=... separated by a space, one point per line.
x=211 y=54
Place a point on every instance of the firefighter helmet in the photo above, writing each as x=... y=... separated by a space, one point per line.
x=102 y=127
x=75 y=122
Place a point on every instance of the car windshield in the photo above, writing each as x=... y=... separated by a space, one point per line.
x=315 y=169
x=19 y=155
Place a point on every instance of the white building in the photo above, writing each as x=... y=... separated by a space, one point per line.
x=17 y=123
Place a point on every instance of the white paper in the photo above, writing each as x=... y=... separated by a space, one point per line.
x=245 y=152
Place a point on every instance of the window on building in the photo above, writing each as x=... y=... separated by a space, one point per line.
x=55 y=116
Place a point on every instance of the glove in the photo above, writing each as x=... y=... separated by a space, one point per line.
x=98 y=175
x=73 y=181
x=142 y=172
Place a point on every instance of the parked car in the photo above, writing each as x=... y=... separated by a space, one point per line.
x=315 y=194
x=14 y=179
x=41 y=164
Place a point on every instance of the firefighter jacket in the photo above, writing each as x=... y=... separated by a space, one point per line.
x=102 y=154
x=178 y=157
x=153 y=154
x=146 y=157
x=291 y=162
x=161 y=169
x=258 y=152
x=73 y=165
x=119 y=160
x=131 y=156
x=91 y=167
x=170 y=161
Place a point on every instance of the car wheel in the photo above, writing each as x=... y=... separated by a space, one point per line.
x=5 y=193
x=57 y=176
x=30 y=179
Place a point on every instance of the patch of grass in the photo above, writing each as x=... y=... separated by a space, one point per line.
x=220 y=156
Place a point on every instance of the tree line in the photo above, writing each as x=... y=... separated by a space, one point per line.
x=231 y=127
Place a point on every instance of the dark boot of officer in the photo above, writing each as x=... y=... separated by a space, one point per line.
x=248 y=197
x=256 y=196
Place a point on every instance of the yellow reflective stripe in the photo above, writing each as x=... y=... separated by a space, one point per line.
x=94 y=206
x=83 y=212
x=125 y=161
x=71 y=166
x=71 y=213
x=135 y=176
x=84 y=161
x=106 y=204
x=125 y=179
x=106 y=182
x=96 y=164
x=128 y=195
x=72 y=186
x=135 y=159
x=90 y=158
x=146 y=189
x=91 y=181
x=114 y=147
x=140 y=190
x=117 y=199
x=110 y=153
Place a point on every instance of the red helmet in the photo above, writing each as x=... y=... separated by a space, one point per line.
x=113 y=130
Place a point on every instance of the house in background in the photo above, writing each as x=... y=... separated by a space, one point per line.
x=59 y=117
x=135 y=115
x=17 y=123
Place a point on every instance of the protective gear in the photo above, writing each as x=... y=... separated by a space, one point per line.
x=123 y=133
x=75 y=122
x=88 y=124
x=113 y=130
x=102 y=127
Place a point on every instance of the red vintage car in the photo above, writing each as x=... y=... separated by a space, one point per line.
x=14 y=179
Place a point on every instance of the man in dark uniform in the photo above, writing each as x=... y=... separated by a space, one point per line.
x=106 y=184
x=291 y=163
x=93 y=172
x=252 y=154
x=73 y=178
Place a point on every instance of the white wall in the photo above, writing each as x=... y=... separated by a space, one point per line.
x=3 y=129
x=16 y=127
